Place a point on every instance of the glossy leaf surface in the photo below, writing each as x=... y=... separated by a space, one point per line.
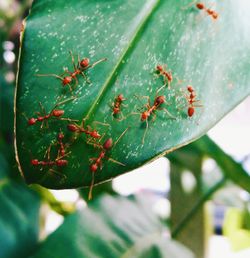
x=135 y=36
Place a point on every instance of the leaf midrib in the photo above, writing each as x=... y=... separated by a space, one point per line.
x=150 y=8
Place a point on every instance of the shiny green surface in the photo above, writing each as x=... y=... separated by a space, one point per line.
x=135 y=36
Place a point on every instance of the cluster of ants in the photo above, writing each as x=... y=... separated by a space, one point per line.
x=93 y=136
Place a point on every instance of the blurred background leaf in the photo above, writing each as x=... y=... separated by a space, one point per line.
x=113 y=227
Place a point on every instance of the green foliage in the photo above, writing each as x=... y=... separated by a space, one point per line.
x=19 y=218
x=113 y=227
x=135 y=36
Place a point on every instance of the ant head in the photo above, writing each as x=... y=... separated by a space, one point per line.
x=95 y=134
x=32 y=121
x=67 y=80
x=108 y=144
x=190 y=88
x=34 y=162
x=120 y=97
x=58 y=113
x=159 y=100
x=61 y=162
x=84 y=62
x=93 y=168
x=144 y=115
x=159 y=68
x=60 y=136
x=215 y=15
x=190 y=111
x=72 y=127
x=200 y=6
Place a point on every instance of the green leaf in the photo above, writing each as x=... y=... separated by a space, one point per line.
x=19 y=219
x=135 y=36
x=107 y=229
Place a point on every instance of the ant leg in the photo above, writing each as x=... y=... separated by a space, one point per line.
x=76 y=82
x=169 y=85
x=79 y=61
x=125 y=105
x=85 y=77
x=70 y=89
x=159 y=90
x=169 y=114
x=73 y=60
x=42 y=108
x=91 y=186
x=63 y=102
x=132 y=114
x=154 y=117
x=143 y=97
x=95 y=144
x=121 y=118
x=97 y=62
x=144 y=135
x=119 y=138
x=50 y=74
x=100 y=123
x=116 y=162
x=47 y=152
x=67 y=119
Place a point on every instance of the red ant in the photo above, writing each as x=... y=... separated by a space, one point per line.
x=58 y=162
x=191 y=100
x=56 y=113
x=167 y=75
x=80 y=129
x=210 y=12
x=98 y=162
x=62 y=147
x=92 y=133
x=79 y=69
x=116 y=106
x=145 y=115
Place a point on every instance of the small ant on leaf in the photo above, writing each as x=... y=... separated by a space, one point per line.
x=97 y=163
x=161 y=70
x=60 y=160
x=201 y=6
x=86 y=130
x=210 y=12
x=116 y=105
x=54 y=113
x=191 y=99
x=151 y=109
x=79 y=69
